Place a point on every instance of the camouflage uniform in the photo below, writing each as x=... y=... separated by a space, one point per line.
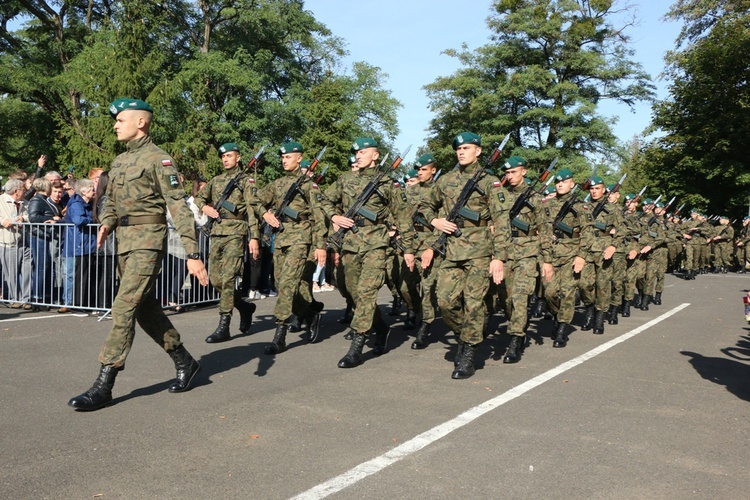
x=560 y=291
x=228 y=237
x=653 y=235
x=363 y=253
x=293 y=266
x=143 y=184
x=462 y=279
x=724 y=247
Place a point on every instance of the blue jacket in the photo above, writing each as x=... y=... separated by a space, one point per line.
x=80 y=238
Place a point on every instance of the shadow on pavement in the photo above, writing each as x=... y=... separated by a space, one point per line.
x=734 y=374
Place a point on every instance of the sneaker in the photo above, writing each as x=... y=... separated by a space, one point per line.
x=316 y=287
x=253 y=295
x=327 y=288
x=63 y=310
x=273 y=293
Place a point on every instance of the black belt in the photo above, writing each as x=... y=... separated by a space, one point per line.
x=563 y=235
x=137 y=220
x=518 y=234
x=362 y=222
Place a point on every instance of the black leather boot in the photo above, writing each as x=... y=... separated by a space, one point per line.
x=278 y=344
x=459 y=353
x=314 y=328
x=354 y=356
x=637 y=300
x=657 y=299
x=349 y=335
x=246 y=310
x=396 y=306
x=644 y=302
x=513 y=354
x=588 y=319
x=465 y=368
x=539 y=308
x=561 y=335
x=422 y=335
x=347 y=317
x=221 y=334
x=599 y=322
x=295 y=325
x=625 y=312
x=381 y=337
x=613 y=310
x=410 y=323
x=186 y=367
x=100 y=394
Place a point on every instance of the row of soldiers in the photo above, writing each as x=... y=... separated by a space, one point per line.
x=508 y=241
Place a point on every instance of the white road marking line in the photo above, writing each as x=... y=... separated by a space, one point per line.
x=59 y=316
x=415 y=444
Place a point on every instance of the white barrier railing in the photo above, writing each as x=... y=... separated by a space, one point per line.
x=58 y=265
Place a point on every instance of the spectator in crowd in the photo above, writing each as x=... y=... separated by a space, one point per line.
x=15 y=255
x=41 y=215
x=105 y=262
x=58 y=233
x=79 y=245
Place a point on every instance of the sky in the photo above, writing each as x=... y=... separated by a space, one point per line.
x=405 y=39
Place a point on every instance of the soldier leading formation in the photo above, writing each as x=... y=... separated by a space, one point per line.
x=464 y=245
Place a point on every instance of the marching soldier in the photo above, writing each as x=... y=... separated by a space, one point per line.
x=143 y=185
x=363 y=253
x=303 y=230
x=462 y=280
x=567 y=269
x=233 y=222
x=723 y=245
x=418 y=286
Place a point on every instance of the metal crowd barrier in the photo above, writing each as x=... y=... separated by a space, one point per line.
x=58 y=265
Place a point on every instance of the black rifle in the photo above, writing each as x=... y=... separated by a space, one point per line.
x=566 y=208
x=223 y=201
x=600 y=206
x=284 y=211
x=459 y=210
x=523 y=200
x=358 y=207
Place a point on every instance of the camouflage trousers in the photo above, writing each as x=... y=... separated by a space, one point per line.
x=604 y=270
x=561 y=290
x=673 y=254
x=340 y=280
x=392 y=271
x=418 y=288
x=365 y=275
x=293 y=271
x=520 y=282
x=619 y=267
x=692 y=252
x=723 y=254
x=461 y=290
x=661 y=255
x=704 y=255
x=225 y=264
x=636 y=268
x=136 y=302
x=409 y=285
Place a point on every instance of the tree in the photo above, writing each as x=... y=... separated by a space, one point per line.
x=549 y=64
x=706 y=119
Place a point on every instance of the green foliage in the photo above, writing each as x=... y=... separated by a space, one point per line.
x=549 y=64
x=252 y=72
x=703 y=155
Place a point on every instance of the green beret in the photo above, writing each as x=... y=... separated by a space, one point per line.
x=424 y=160
x=723 y=217
x=229 y=146
x=125 y=103
x=352 y=159
x=660 y=205
x=563 y=175
x=746 y=217
x=610 y=187
x=364 y=143
x=596 y=181
x=629 y=197
x=305 y=164
x=411 y=174
x=549 y=189
x=647 y=201
x=466 y=138
x=513 y=162
x=291 y=147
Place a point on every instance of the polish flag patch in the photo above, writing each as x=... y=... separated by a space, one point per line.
x=166 y=163
x=497 y=184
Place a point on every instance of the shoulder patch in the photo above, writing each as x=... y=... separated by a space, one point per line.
x=166 y=163
x=173 y=180
x=403 y=197
x=501 y=197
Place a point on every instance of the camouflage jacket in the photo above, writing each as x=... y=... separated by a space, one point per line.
x=653 y=233
x=609 y=229
x=240 y=220
x=309 y=228
x=531 y=236
x=416 y=233
x=568 y=246
x=143 y=181
x=343 y=193
x=476 y=241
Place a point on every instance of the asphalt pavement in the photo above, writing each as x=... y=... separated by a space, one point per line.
x=657 y=407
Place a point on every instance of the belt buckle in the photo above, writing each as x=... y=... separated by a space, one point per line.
x=125 y=220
